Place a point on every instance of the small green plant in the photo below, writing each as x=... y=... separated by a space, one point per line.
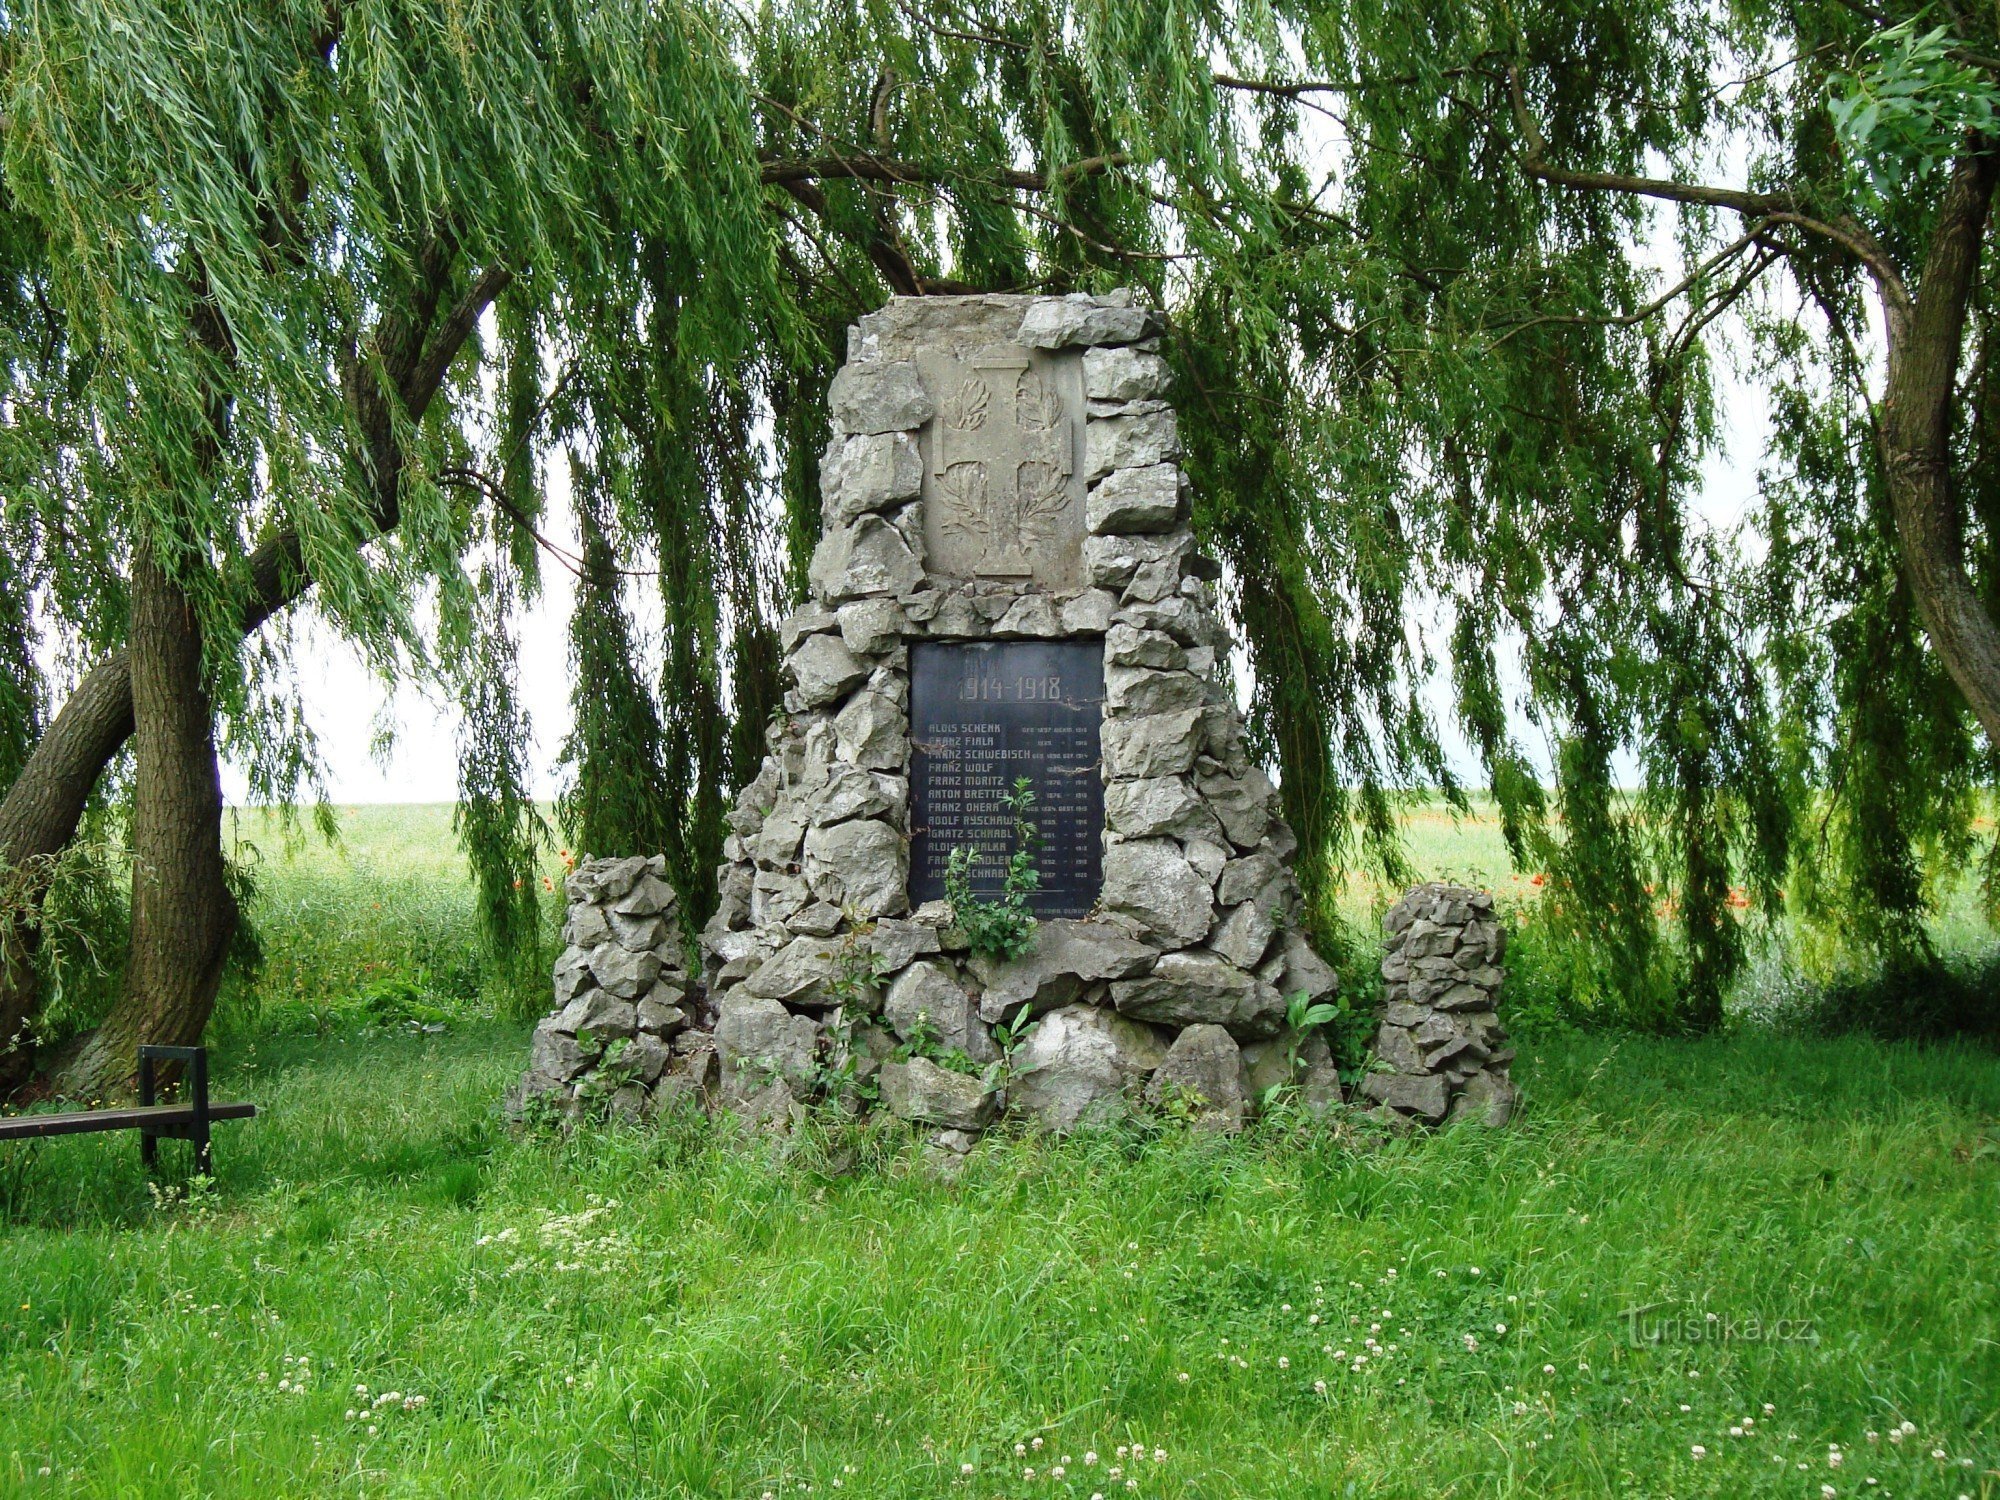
x=1004 y=928
x=1349 y=1029
x=399 y=1001
x=1009 y=1037
x=193 y=1201
x=612 y=1073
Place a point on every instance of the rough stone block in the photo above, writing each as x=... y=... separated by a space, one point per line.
x=868 y=473
x=922 y=1091
x=1163 y=745
x=1423 y=1097
x=1203 y=1072
x=1132 y=691
x=869 y=557
x=825 y=670
x=1112 y=443
x=1078 y=1064
x=1129 y=500
x=927 y=999
x=879 y=396
x=759 y=1040
x=1068 y=957
x=1187 y=989
x=624 y=973
x=1071 y=321
x=1151 y=882
x=1124 y=375
x=860 y=866
x=1159 y=807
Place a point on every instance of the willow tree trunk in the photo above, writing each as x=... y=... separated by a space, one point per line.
x=37 y=820
x=416 y=344
x=1920 y=396
x=183 y=915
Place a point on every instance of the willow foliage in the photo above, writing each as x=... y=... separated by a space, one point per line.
x=1442 y=421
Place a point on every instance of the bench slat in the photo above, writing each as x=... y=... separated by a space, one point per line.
x=133 y=1117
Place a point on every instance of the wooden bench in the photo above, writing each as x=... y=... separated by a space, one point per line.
x=187 y=1121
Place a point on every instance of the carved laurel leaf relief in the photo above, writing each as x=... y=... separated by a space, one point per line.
x=1037 y=408
x=963 y=490
x=964 y=404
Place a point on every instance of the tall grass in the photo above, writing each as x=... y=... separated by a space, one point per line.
x=670 y=1313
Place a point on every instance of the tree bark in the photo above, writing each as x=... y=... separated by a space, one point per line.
x=1926 y=337
x=37 y=821
x=183 y=914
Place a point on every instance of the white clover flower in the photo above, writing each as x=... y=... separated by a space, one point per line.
x=1769 y=1409
x=1827 y=1492
x=1684 y=1405
x=1319 y=1387
x=352 y=1414
x=1184 y=1377
x=1028 y=1473
x=965 y=1469
x=1020 y=1450
x=1057 y=1472
x=1698 y=1451
x=1159 y=1455
x=373 y=1429
x=1284 y=1363
x=1736 y=1432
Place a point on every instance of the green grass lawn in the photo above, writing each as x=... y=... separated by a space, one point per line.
x=672 y=1312
x=666 y=1313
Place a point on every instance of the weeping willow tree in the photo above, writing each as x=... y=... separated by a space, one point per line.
x=269 y=235
x=1808 y=719
x=296 y=303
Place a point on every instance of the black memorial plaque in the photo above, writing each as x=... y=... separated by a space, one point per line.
x=983 y=714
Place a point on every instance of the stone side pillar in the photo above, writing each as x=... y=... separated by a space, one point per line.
x=1441 y=1049
x=622 y=1012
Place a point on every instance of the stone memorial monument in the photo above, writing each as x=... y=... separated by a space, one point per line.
x=1007 y=588
x=1006 y=593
